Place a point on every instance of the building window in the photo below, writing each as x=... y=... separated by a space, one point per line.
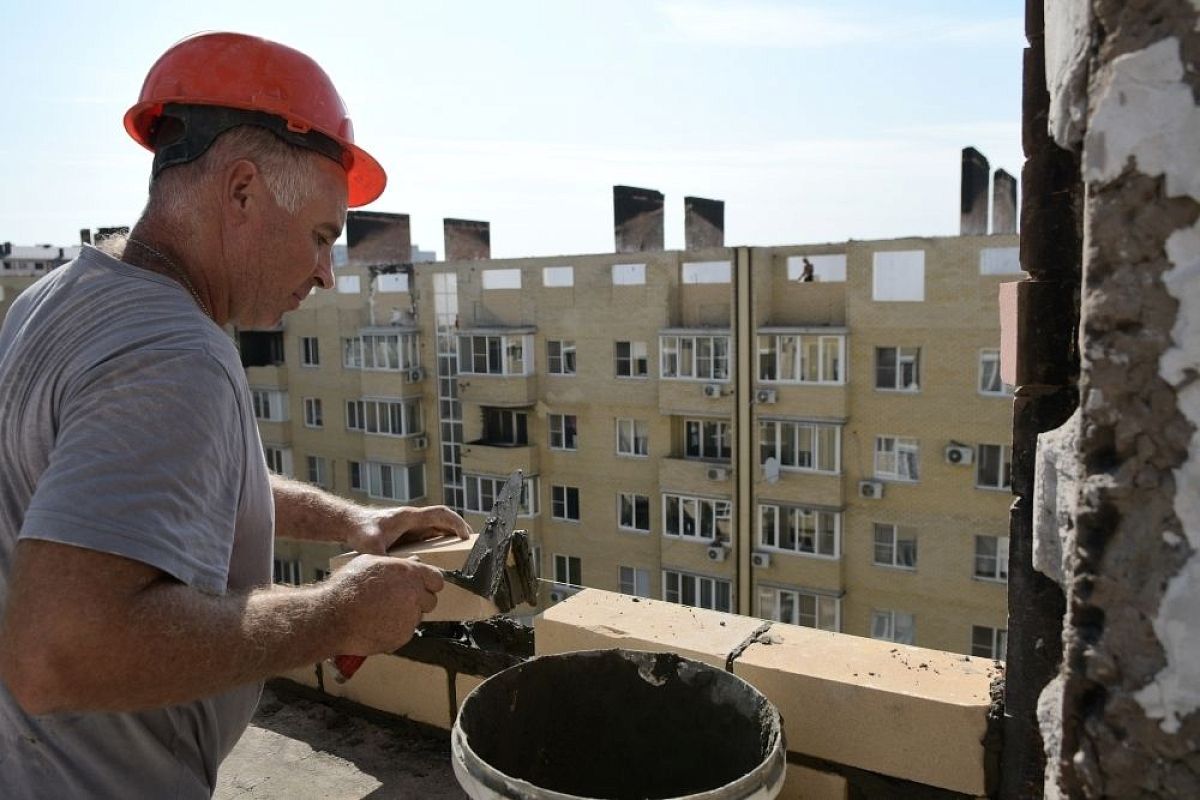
x=381 y=352
x=797 y=607
x=633 y=512
x=402 y=482
x=808 y=531
x=993 y=469
x=808 y=446
x=895 y=547
x=501 y=279
x=631 y=360
x=313 y=415
x=279 y=459
x=628 y=274
x=564 y=503
x=493 y=355
x=287 y=570
x=563 y=432
x=482 y=491
x=694 y=357
x=991 y=558
x=990 y=382
x=633 y=438
x=310 y=354
x=898 y=369
x=356 y=481
x=352 y=357
x=270 y=405
x=699 y=591
x=899 y=276
x=707 y=438
x=696 y=518
x=796 y=358
x=505 y=427
x=558 y=276
x=560 y=357
x=384 y=417
x=633 y=581
x=349 y=284
x=568 y=570
x=897 y=459
x=318 y=471
x=989 y=642
x=893 y=626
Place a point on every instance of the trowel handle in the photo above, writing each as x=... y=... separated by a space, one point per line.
x=344 y=667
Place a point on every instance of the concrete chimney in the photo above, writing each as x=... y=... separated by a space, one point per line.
x=975 y=174
x=1004 y=202
x=703 y=223
x=85 y=236
x=374 y=238
x=467 y=240
x=637 y=219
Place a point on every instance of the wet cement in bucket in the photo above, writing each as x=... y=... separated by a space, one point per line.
x=620 y=724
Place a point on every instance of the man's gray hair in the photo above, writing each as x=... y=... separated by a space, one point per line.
x=287 y=170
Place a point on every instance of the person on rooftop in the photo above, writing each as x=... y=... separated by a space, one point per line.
x=137 y=512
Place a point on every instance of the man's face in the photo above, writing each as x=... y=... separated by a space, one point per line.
x=294 y=251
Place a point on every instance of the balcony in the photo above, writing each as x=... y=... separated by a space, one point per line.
x=804 y=488
x=269 y=376
x=502 y=391
x=396 y=449
x=693 y=476
x=483 y=458
x=707 y=398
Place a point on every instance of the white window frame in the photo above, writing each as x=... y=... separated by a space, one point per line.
x=990 y=566
x=318 y=470
x=889 y=463
x=628 y=274
x=561 y=501
x=558 y=277
x=908 y=266
x=279 y=459
x=310 y=351
x=354 y=475
x=560 y=357
x=314 y=413
x=563 y=435
x=989 y=375
x=480 y=492
x=712 y=518
x=681 y=357
x=1003 y=477
x=629 y=502
x=633 y=581
x=286 y=571
x=636 y=363
x=893 y=626
x=823 y=607
x=564 y=566
x=270 y=405
x=382 y=352
x=382 y=476
x=501 y=354
x=507 y=278
x=904 y=356
x=774 y=433
x=705 y=432
x=633 y=437
x=378 y=416
x=677 y=585
x=899 y=541
x=789 y=358
x=780 y=524
x=997 y=649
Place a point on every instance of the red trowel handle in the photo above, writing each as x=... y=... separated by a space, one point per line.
x=344 y=667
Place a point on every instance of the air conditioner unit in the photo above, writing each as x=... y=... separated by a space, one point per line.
x=760 y=559
x=765 y=396
x=415 y=374
x=717 y=553
x=959 y=454
x=870 y=489
x=717 y=473
x=420 y=442
x=712 y=390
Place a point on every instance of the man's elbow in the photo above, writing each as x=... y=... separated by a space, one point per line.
x=35 y=678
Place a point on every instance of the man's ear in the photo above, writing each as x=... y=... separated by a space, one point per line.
x=242 y=190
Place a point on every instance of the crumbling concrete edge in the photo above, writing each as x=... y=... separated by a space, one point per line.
x=758 y=635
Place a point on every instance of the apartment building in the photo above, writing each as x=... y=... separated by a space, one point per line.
x=707 y=426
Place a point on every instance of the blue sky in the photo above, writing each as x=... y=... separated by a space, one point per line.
x=813 y=121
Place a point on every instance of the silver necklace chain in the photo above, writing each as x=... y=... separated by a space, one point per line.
x=177 y=272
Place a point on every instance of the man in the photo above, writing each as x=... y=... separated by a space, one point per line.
x=136 y=509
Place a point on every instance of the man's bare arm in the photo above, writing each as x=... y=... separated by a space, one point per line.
x=306 y=512
x=89 y=631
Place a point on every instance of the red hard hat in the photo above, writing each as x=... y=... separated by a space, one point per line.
x=232 y=70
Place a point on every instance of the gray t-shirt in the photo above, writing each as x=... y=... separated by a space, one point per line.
x=126 y=426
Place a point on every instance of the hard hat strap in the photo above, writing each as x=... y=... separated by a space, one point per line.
x=185 y=132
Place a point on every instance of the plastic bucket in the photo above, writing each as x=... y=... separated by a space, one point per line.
x=617 y=724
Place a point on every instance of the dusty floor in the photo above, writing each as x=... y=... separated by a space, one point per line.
x=299 y=748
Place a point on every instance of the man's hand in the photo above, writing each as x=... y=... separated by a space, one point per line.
x=380 y=529
x=381 y=601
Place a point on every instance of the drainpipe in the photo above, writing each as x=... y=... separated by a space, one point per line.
x=746 y=469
